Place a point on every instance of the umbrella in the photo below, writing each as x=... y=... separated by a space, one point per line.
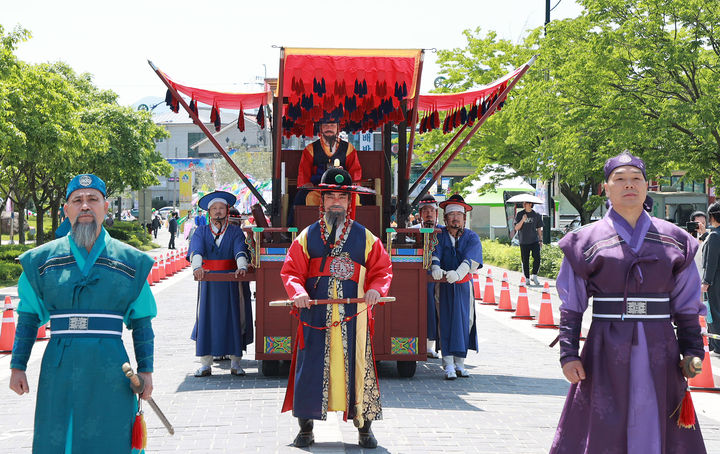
x=525 y=198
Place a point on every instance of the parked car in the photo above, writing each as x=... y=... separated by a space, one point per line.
x=165 y=211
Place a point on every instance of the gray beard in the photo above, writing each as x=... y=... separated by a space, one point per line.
x=84 y=235
x=428 y=224
x=334 y=218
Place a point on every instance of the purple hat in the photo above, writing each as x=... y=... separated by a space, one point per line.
x=623 y=159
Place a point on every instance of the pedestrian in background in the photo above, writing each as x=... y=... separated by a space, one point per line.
x=700 y=232
x=711 y=274
x=172 y=228
x=528 y=225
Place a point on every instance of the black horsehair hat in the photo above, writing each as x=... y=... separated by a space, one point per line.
x=338 y=179
x=455 y=199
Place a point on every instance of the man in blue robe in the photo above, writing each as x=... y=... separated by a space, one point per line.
x=428 y=211
x=87 y=284
x=224 y=324
x=457 y=255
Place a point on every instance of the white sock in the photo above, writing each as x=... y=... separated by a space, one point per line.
x=459 y=363
x=430 y=345
x=447 y=360
x=206 y=360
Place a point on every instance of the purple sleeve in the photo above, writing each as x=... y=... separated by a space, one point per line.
x=571 y=289
x=685 y=297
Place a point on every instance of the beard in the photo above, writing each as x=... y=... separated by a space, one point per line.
x=85 y=234
x=330 y=139
x=335 y=217
x=428 y=224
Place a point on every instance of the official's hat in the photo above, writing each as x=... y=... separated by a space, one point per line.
x=338 y=179
x=84 y=181
x=454 y=203
x=216 y=196
x=623 y=159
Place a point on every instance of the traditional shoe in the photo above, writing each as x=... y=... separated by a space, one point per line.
x=462 y=373
x=237 y=371
x=450 y=373
x=305 y=437
x=433 y=354
x=366 y=439
x=204 y=371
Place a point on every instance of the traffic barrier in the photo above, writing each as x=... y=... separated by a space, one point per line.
x=505 y=303
x=705 y=378
x=161 y=267
x=476 y=286
x=489 y=293
x=545 y=319
x=522 y=308
x=7 y=330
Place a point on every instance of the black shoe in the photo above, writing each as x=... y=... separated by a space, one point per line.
x=305 y=437
x=366 y=439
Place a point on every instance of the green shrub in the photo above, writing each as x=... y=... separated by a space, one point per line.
x=134 y=242
x=9 y=271
x=508 y=257
x=8 y=252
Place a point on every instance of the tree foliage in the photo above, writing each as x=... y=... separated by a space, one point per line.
x=639 y=75
x=55 y=123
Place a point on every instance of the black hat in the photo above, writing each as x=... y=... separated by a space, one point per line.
x=427 y=201
x=455 y=199
x=338 y=179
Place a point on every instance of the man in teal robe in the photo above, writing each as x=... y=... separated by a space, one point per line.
x=87 y=284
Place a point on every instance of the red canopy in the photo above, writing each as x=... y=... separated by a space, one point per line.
x=223 y=100
x=361 y=88
x=449 y=101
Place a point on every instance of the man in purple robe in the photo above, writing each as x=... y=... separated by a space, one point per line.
x=630 y=378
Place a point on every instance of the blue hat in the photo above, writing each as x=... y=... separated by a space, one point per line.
x=209 y=199
x=623 y=159
x=84 y=181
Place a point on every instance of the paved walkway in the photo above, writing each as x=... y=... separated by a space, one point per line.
x=510 y=404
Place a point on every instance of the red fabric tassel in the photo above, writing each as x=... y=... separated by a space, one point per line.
x=686 y=418
x=139 y=433
x=300 y=336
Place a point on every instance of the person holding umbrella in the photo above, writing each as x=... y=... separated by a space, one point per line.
x=528 y=225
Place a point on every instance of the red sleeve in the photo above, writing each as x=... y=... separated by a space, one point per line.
x=379 y=269
x=294 y=270
x=305 y=169
x=352 y=164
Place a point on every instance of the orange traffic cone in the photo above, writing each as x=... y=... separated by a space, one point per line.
x=705 y=378
x=171 y=263
x=155 y=273
x=545 y=320
x=42 y=333
x=522 y=310
x=7 y=331
x=505 y=303
x=161 y=267
x=489 y=293
x=476 y=286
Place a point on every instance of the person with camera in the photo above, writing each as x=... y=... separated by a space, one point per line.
x=711 y=273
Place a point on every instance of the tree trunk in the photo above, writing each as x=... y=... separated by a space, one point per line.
x=54 y=213
x=39 y=226
x=21 y=221
x=578 y=197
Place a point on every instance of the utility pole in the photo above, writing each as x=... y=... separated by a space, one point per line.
x=547 y=220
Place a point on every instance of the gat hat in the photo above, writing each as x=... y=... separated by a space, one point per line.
x=338 y=179
x=83 y=181
x=216 y=196
x=427 y=201
x=453 y=203
x=623 y=159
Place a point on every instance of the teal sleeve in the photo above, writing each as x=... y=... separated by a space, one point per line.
x=30 y=302
x=143 y=306
x=143 y=341
x=25 y=335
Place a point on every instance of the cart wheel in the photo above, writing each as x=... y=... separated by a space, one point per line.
x=270 y=368
x=406 y=368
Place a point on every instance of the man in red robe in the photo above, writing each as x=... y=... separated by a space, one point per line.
x=333 y=363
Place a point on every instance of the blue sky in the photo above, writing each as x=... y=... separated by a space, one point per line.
x=226 y=45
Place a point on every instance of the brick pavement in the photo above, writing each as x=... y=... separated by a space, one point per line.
x=510 y=403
